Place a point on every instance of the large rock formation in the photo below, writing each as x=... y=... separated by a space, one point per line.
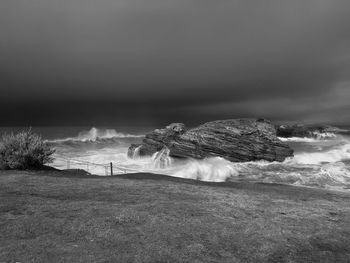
x=237 y=140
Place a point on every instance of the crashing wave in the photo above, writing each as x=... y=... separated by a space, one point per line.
x=337 y=172
x=331 y=175
x=315 y=164
x=337 y=154
x=136 y=153
x=215 y=169
x=162 y=159
x=95 y=134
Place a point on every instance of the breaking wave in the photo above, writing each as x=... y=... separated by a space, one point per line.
x=329 y=175
x=94 y=135
x=214 y=169
x=317 y=137
x=317 y=162
x=338 y=154
x=323 y=168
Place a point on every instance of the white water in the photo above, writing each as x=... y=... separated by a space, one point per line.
x=317 y=162
x=136 y=153
x=211 y=170
x=94 y=134
x=338 y=154
x=324 y=135
x=162 y=159
x=317 y=137
x=299 y=139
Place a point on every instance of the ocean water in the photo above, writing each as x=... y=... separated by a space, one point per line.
x=322 y=162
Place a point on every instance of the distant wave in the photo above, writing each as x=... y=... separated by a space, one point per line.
x=317 y=137
x=95 y=134
x=324 y=135
x=299 y=139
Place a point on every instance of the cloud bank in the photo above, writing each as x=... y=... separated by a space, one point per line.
x=158 y=61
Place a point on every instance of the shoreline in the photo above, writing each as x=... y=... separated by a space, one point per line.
x=55 y=216
x=81 y=173
x=245 y=185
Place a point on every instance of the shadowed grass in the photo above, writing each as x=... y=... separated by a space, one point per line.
x=53 y=216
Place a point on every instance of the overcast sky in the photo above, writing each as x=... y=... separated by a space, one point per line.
x=106 y=62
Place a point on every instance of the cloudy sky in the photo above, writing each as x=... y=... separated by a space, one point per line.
x=89 y=62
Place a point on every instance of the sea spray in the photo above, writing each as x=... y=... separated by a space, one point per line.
x=317 y=162
x=162 y=159
x=336 y=154
x=214 y=169
x=324 y=135
x=136 y=153
x=95 y=134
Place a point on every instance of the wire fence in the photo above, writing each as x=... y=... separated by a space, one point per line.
x=108 y=168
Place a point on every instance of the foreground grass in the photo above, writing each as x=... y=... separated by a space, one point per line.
x=55 y=217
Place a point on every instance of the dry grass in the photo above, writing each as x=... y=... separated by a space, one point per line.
x=57 y=217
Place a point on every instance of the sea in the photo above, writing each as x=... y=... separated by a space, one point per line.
x=320 y=162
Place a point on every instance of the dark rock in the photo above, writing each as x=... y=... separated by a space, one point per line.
x=296 y=130
x=178 y=128
x=237 y=140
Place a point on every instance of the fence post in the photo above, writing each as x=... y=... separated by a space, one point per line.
x=111 y=168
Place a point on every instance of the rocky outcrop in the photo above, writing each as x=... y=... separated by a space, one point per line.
x=297 y=130
x=236 y=140
x=309 y=131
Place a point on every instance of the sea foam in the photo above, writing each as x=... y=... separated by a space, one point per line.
x=337 y=154
x=317 y=162
x=213 y=169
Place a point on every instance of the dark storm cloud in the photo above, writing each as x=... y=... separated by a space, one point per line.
x=85 y=61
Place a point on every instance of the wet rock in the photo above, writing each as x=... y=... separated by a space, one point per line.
x=296 y=130
x=236 y=140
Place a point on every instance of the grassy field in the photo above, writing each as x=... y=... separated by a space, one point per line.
x=58 y=217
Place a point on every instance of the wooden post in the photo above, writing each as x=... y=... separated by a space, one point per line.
x=111 y=168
